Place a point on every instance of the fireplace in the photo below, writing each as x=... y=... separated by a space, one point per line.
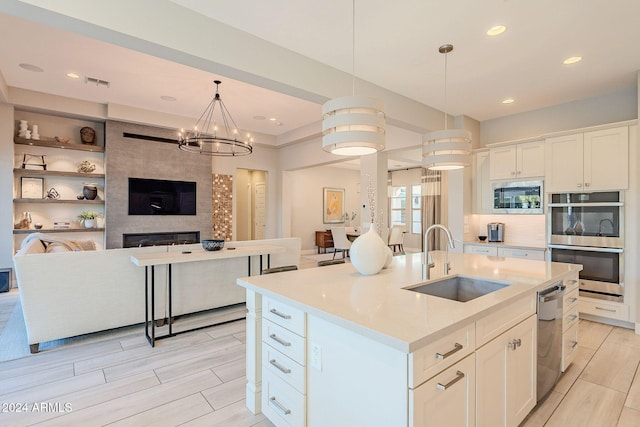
x=133 y=240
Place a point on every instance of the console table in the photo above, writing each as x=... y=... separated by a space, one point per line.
x=324 y=240
x=169 y=258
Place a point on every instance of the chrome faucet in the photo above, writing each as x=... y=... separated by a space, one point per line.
x=427 y=260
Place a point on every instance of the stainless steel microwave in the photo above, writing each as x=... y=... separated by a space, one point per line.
x=517 y=197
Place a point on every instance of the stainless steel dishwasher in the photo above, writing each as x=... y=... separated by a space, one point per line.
x=549 y=337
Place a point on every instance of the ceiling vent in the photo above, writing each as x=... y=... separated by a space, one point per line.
x=96 y=82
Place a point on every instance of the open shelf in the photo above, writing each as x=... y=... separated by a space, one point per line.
x=71 y=202
x=57 y=230
x=43 y=173
x=52 y=143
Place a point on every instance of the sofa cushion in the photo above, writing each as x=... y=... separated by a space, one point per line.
x=56 y=247
x=35 y=246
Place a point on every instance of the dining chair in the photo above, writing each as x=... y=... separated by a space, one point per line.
x=396 y=237
x=340 y=241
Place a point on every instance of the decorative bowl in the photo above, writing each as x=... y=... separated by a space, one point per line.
x=212 y=245
x=482 y=238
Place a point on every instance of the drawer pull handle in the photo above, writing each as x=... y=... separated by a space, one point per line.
x=456 y=347
x=605 y=309
x=571 y=282
x=572 y=300
x=459 y=376
x=280 y=367
x=280 y=340
x=572 y=318
x=279 y=406
x=279 y=314
x=573 y=344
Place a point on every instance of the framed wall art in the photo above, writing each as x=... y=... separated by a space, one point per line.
x=31 y=188
x=333 y=205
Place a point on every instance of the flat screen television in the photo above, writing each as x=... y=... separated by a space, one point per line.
x=161 y=197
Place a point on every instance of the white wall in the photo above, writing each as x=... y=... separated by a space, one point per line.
x=611 y=108
x=6 y=186
x=306 y=186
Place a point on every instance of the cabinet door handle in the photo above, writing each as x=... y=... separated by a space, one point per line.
x=579 y=185
x=605 y=309
x=515 y=344
x=281 y=368
x=279 y=314
x=586 y=184
x=280 y=340
x=571 y=282
x=459 y=376
x=572 y=318
x=279 y=405
x=456 y=347
x=573 y=344
x=572 y=300
x=513 y=173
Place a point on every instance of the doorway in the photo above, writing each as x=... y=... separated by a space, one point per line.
x=251 y=203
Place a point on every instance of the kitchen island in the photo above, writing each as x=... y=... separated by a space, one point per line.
x=328 y=346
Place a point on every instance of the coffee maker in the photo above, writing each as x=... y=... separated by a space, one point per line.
x=495 y=231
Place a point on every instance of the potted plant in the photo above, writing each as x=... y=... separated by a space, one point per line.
x=89 y=219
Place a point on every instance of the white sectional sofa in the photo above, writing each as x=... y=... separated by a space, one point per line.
x=65 y=294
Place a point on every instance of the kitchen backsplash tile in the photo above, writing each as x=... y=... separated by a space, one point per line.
x=525 y=229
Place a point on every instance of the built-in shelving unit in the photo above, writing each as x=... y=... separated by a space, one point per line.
x=61 y=173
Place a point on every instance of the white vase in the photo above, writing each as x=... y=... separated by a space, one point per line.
x=90 y=223
x=368 y=253
x=389 y=257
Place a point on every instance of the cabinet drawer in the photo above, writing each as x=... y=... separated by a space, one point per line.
x=610 y=310
x=570 y=299
x=499 y=321
x=438 y=355
x=284 y=368
x=481 y=250
x=569 y=346
x=284 y=315
x=521 y=253
x=570 y=318
x=284 y=341
x=448 y=399
x=281 y=403
x=571 y=283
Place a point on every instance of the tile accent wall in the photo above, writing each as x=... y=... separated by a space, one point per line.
x=128 y=157
x=222 y=206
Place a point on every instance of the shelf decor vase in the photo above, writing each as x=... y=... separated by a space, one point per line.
x=368 y=253
x=90 y=191
x=90 y=223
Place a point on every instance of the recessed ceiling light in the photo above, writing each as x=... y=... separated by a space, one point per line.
x=496 y=30
x=508 y=101
x=273 y=119
x=572 y=60
x=167 y=98
x=31 y=67
x=73 y=76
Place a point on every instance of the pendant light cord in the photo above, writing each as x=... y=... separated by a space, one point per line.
x=353 y=49
x=445 y=91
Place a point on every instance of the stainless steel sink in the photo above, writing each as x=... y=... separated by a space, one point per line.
x=459 y=288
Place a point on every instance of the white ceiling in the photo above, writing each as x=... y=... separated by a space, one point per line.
x=396 y=48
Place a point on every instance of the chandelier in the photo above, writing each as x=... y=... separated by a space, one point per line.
x=446 y=149
x=353 y=125
x=207 y=138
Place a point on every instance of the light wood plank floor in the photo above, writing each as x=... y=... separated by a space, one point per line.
x=197 y=379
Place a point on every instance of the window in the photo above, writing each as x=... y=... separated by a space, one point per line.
x=416 y=209
x=398 y=201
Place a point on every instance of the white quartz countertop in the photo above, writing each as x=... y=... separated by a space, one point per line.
x=508 y=244
x=378 y=307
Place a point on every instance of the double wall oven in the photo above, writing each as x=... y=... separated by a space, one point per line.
x=588 y=229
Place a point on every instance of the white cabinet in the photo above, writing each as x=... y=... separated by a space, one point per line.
x=591 y=161
x=448 y=399
x=535 y=254
x=283 y=363
x=603 y=308
x=570 y=318
x=517 y=161
x=506 y=376
x=482 y=197
x=481 y=249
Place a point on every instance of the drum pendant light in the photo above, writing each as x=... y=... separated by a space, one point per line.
x=446 y=149
x=353 y=125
